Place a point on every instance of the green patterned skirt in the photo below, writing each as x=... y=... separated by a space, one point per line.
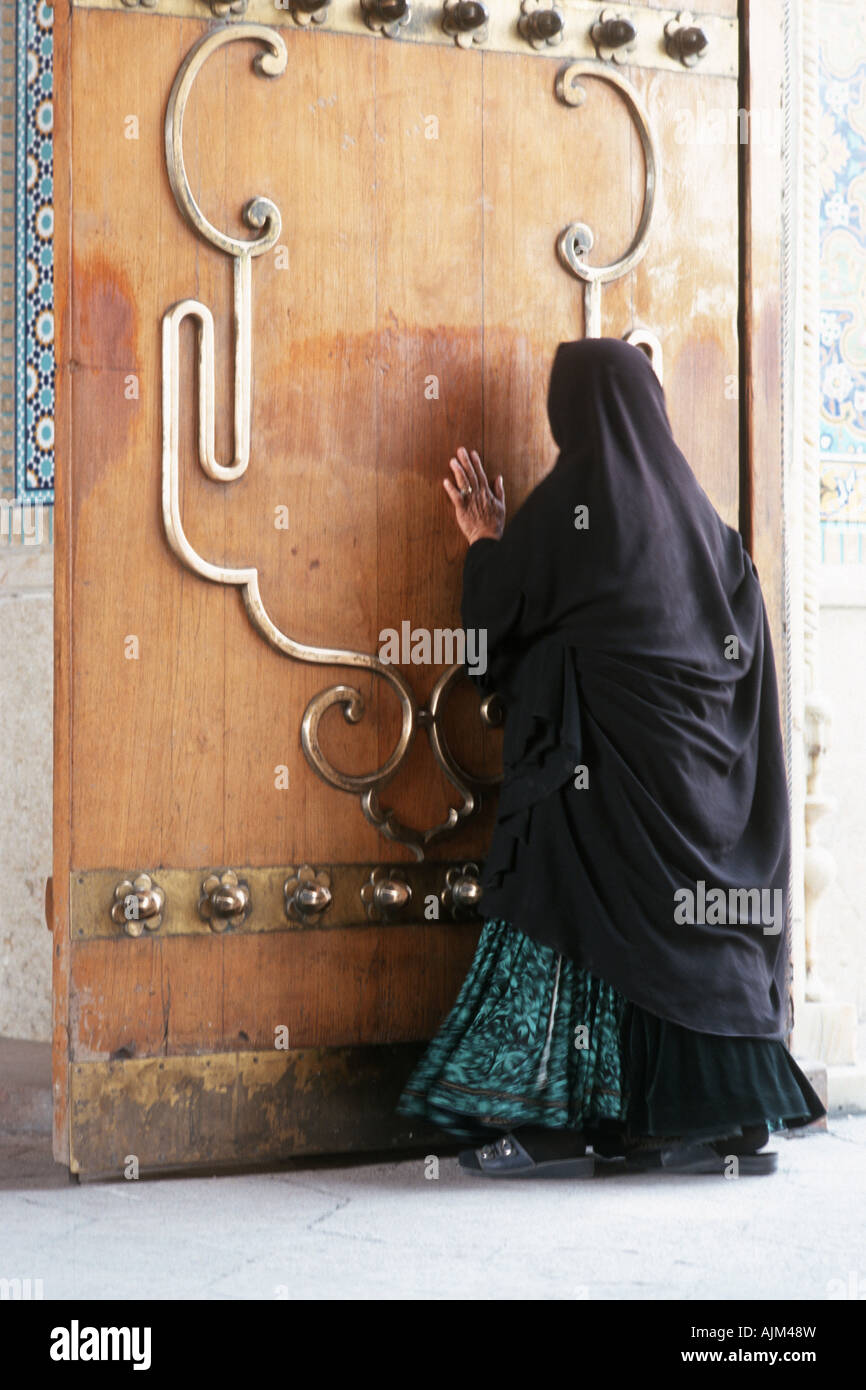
x=533 y=1039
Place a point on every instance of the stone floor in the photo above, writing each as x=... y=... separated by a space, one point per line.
x=337 y=1229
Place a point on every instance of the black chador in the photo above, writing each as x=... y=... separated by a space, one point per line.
x=628 y=638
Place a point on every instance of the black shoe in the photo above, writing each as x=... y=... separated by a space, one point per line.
x=554 y=1153
x=752 y=1138
x=716 y=1157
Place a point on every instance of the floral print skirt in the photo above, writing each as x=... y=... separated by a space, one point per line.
x=534 y=1040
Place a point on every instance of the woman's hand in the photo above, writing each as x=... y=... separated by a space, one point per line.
x=477 y=511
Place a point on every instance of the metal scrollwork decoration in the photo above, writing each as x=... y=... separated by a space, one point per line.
x=576 y=241
x=263 y=217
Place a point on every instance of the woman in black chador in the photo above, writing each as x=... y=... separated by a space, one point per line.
x=630 y=987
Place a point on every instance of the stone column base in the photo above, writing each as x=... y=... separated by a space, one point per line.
x=827 y=1032
x=846 y=1088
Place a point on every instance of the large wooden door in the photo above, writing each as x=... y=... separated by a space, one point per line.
x=211 y=627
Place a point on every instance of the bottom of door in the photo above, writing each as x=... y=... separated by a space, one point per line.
x=139 y=1115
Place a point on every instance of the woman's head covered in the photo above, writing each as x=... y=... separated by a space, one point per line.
x=652 y=534
x=608 y=378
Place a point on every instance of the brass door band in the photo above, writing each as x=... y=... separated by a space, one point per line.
x=154 y=902
x=637 y=35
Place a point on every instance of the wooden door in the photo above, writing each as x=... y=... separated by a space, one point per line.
x=225 y=734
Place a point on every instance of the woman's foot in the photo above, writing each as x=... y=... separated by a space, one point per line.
x=735 y=1155
x=528 y=1152
x=749 y=1141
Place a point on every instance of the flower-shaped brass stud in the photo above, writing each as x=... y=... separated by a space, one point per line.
x=138 y=904
x=462 y=892
x=541 y=23
x=307 y=894
x=385 y=894
x=614 y=36
x=222 y=9
x=224 y=901
x=685 y=40
x=309 y=11
x=466 y=21
x=386 y=16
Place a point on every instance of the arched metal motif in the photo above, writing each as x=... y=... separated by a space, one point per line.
x=576 y=241
x=263 y=217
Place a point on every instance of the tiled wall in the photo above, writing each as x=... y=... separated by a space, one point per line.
x=26 y=472
x=842 y=665
x=843 y=281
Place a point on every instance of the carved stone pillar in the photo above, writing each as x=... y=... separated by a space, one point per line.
x=820 y=866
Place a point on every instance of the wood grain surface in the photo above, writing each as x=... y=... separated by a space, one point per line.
x=405 y=260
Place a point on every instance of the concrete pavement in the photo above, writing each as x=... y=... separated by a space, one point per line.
x=331 y=1229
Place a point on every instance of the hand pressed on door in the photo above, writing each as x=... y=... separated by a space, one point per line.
x=478 y=511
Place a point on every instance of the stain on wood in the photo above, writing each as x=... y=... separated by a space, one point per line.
x=240 y=1108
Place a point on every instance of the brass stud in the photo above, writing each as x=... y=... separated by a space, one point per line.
x=614 y=36
x=386 y=16
x=306 y=12
x=220 y=9
x=307 y=893
x=462 y=892
x=138 y=904
x=541 y=23
x=385 y=894
x=685 y=40
x=466 y=21
x=224 y=901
